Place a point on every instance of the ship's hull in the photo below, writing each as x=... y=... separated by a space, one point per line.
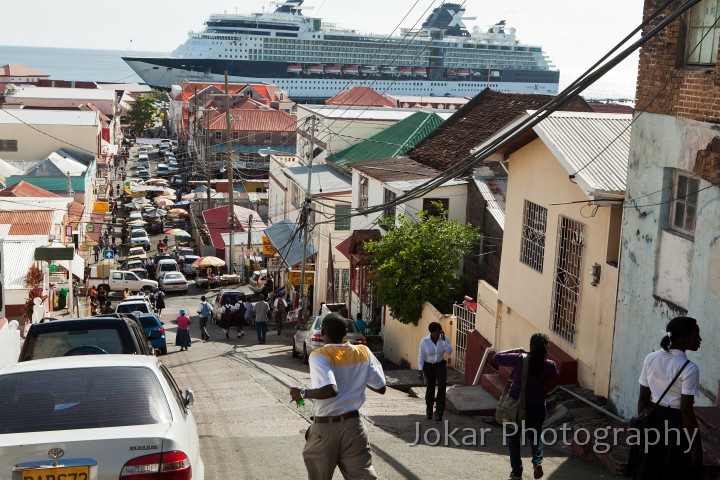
x=163 y=72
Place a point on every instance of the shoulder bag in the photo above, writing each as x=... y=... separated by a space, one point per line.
x=508 y=409
x=646 y=417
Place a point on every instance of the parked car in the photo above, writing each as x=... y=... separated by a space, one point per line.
x=135 y=305
x=84 y=336
x=166 y=265
x=220 y=300
x=143 y=158
x=173 y=282
x=308 y=337
x=140 y=272
x=100 y=417
x=189 y=269
x=119 y=280
x=136 y=251
x=154 y=332
x=257 y=280
x=144 y=149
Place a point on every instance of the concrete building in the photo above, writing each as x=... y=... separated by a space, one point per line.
x=16 y=73
x=670 y=255
x=558 y=272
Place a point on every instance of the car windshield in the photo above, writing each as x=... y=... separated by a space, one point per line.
x=79 y=398
x=174 y=276
x=351 y=327
x=139 y=233
x=149 y=321
x=132 y=307
x=168 y=267
x=56 y=344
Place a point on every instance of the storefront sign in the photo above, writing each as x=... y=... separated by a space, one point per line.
x=267 y=247
x=101 y=207
x=274 y=264
x=294 y=277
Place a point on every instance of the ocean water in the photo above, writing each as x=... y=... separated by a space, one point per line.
x=75 y=63
x=108 y=66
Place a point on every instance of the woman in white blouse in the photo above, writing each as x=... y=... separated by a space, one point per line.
x=680 y=457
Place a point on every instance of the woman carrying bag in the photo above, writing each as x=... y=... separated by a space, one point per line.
x=540 y=370
x=668 y=385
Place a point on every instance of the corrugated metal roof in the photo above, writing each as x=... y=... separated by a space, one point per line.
x=34 y=203
x=7 y=170
x=593 y=146
x=407 y=185
x=360 y=96
x=67 y=164
x=25 y=189
x=255 y=121
x=394 y=141
x=27 y=222
x=49 y=117
x=366 y=113
x=18 y=255
x=494 y=191
x=64 y=93
x=325 y=179
x=395 y=169
x=288 y=242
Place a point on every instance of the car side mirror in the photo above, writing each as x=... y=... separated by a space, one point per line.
x=189 y=397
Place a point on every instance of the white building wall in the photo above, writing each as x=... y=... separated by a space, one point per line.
x=33 y=145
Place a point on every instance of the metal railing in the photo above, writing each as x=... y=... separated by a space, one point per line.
x=465 y=322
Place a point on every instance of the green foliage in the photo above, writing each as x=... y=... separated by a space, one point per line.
x=416 y=262
x=142 y=114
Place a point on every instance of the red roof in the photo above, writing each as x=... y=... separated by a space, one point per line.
x=255 y=121
x=27 y=222
x=216 y=221
x=611 y=108
x=360 y=97
x=18 y=70
x=25 y=189
x=344 y=247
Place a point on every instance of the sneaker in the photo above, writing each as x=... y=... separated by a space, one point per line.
x=538 y=471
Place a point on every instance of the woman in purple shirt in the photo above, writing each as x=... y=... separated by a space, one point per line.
x=540 y=370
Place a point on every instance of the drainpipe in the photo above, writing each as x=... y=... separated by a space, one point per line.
x=493 y=347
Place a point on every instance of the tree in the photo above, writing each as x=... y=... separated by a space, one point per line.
x=142 y=114
x=417 y=262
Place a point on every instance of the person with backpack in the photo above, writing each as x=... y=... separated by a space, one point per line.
x=280 y=311
x=226 y=317
x=249 y=311
x=204 y=311
x=239 y=317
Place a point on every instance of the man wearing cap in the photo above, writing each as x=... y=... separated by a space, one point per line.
x=339 y=373
x=280 y=311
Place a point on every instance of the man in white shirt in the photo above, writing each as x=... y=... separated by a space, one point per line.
x=339 y=373
x=433 y=368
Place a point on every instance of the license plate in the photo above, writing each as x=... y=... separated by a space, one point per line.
x=64 y=473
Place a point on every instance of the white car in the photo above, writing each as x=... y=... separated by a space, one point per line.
x=173 y=282
x=138 y=236
x=97 y=417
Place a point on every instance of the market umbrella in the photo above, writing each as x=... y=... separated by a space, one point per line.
x=157 y=181
x=140 y=200
x=182 y=203
x=164 y=202
x=208 y=262
x=168 y=191
x=178 y=211
x=188 y=196
x=178 y=232
x=137 y=223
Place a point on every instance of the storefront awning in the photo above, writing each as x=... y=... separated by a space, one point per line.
x=288 y=242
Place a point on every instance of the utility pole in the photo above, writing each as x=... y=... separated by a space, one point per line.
x=207 y=155
x=248 y=271
x=231 y=190
x=306 y=213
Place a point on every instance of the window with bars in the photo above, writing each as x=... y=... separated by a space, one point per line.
x=342 y=216
x=532 y=246
x=684 y=204
x=218 y=135
x=236 y=135
x=341 y=285
x=268 y=137
x=8 y=145
x=389 y=196
x=566 y=286
x=363 y=193
x=703 y=33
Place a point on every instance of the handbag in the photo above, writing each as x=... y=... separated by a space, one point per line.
x=508 y=409
x=647 y=416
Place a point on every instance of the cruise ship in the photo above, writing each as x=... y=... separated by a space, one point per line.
x=313 y=60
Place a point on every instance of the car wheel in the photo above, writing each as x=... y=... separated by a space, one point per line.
x=163 y=351
x=306 y=357
x=295 y=353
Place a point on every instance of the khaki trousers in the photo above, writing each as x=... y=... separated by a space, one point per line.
x=342 y=444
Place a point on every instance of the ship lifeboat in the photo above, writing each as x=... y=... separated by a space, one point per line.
x=350 y=70
x=420 y=71
x=452 y=72
x=389 y=70
x=315 y=70
x=463 y=72
x=333 y=69
x=294 y=68
x=369 y=69
x=405 y=71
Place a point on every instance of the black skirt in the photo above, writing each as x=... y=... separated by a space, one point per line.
x=666 y=460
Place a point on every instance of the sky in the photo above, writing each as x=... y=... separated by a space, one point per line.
x=573 y=33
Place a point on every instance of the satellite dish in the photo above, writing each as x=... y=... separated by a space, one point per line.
x=495 y=29
x=512 y=31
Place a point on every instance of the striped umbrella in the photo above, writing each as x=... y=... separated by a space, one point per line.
x=157 y=181
x=178 y=212
x=208 y=262
x=177 y=232
x=164 y=202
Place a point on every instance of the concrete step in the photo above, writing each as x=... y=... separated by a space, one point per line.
x=709 y=421
x=470 y=400
x=493 y=383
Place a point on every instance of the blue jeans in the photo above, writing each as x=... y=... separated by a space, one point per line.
x=534 y=419
x=261 y=329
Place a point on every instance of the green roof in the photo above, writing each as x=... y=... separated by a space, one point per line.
x=51 y=184
x=392 y=142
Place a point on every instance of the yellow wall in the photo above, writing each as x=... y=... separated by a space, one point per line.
x=252 y=187
x=33 y=145
x=401 y=341
x=526 y=295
